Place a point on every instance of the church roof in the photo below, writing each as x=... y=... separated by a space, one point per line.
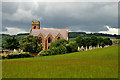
x=46 y=32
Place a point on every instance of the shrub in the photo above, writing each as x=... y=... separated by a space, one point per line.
x=62 y=49
x=58 y=43
x=39 y=48
x=54 y=50
x=3 y=56
x=18 y=56
x=45 y=52
x=22 y=52
x=72 y=47
x=59 y=50
x=15 y=55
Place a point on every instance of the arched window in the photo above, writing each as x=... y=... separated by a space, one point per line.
x=34 y=27
x=40 y=40
x=46 y=44
x=49 y=40
x=58 y=38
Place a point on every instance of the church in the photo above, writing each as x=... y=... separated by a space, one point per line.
x=47 y=36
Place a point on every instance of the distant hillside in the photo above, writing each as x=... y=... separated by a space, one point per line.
x=83 y=34
x=18 y=36
x=72 y=35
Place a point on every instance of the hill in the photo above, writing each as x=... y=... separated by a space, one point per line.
x=72 y=35
x=98 y=63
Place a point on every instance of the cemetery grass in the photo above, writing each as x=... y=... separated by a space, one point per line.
x=97 y=63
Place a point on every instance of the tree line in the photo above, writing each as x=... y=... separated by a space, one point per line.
x=92 y=41
x=32 y=44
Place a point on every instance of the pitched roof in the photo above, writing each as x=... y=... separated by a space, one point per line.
x=46 y=32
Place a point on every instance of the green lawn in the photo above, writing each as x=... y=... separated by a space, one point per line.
x=98 y=63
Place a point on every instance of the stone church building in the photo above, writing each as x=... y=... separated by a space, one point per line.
x=47 y=36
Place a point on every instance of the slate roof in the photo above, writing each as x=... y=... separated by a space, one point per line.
x=46 y=32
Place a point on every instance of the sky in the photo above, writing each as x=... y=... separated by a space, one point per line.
x=101 y=17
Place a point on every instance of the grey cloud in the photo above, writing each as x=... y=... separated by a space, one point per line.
x=4 y=29
x=9 y=7
x=78 y=16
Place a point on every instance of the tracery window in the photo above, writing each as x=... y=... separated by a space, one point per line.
x=49 y=40
x=34 y=27
x=58 y=38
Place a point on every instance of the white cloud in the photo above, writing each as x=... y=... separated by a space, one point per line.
x=14 y=31
x=111 y=30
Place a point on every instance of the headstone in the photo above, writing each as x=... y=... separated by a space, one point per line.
x=78 y=48
x=86 y=48
x=98 y=45
x=91 y=47
x=15 y=50
x=21 y=50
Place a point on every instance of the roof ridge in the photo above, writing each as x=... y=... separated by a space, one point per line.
x=49 y=29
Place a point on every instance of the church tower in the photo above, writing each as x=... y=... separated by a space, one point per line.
x=36 y=25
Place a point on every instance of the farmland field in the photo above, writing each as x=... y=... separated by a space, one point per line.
x=98 y=63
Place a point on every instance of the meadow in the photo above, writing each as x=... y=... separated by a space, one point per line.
x=97 y=63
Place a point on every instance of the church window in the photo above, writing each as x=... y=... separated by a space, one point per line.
x=49 y=40
x=34 y=27
x=46 y=44
x=58 y=38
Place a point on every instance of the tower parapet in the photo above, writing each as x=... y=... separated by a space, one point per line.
x=36 y=25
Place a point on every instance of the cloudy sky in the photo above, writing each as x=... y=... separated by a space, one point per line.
x=88 y=17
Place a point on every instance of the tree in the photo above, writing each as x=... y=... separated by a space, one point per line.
x=72 y=47
x=79 y=41
x=107 y=41
x=11 y=43
x=94 y=40
x=88 y=42
x=30 y=43
x=102 y=44
x=40 y=47
x=58 y=43
x=119 y=42
x=84 y=42
x=100 y=41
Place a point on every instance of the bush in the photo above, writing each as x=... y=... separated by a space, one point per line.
x=40 y=47
x=62 y=49
x=54 y=51
x=16 y=55
x=61 y=46
x=45 y=52
x=4 y=56
x=72 y=47
x=58 y=50
x=59 y=42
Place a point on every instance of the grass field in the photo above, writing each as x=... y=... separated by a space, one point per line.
x=98 y=63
